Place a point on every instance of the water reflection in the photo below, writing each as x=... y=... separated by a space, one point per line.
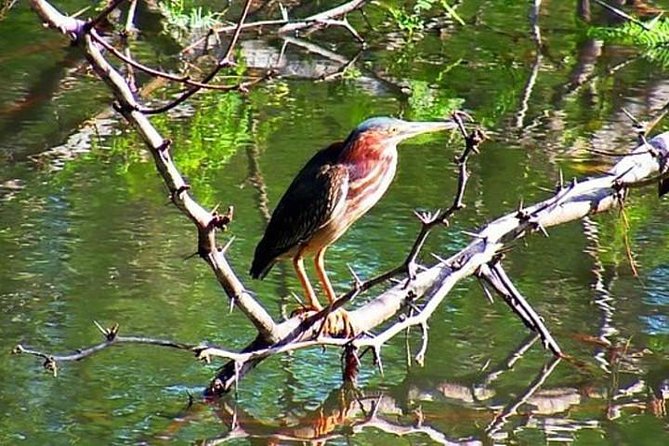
x=464 y=412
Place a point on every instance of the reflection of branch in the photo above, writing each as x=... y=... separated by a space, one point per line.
x=602 y=296
x=341 y=71
x=510 y=360
x=324 y=18
x=186 y=80
x=532 y=79
x=342 y=413
x=621 y=14
x=510 y=409
x=256 y=179
x=328 y=54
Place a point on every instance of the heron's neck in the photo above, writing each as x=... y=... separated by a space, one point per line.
x=365 y=155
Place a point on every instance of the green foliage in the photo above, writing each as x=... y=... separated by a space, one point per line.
x=651 y=37
x=183 y=17
x=428 y=103
x=412 y=21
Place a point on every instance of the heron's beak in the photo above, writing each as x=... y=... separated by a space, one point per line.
x=411 y=129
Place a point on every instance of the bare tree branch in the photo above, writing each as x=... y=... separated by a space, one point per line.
x=324 y=18
x=186 y=80
x=224 y=62
x=205 y=221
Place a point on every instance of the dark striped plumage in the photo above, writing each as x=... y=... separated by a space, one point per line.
x=305 y=206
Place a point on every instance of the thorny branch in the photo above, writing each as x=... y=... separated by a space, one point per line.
x=205 y=221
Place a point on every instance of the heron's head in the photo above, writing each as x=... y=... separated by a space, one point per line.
x=391 y=131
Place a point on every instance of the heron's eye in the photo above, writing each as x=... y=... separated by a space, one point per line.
x=394 y=130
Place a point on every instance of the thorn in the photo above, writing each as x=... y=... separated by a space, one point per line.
x=486 y=292
x=541 y=228
x=180 y=190
x=232 y=305
x=221 y=221
x=225 y=248
x=356 y=280
x=215 y=208
x=164 y=145
x=521 y=213
x=190 y=256
x=377 y=359
x=462 y=114
x=112 y=332
x=100 y=328
x=474 y=235
x=439 y=259
x=420 y=216
x=297 y=299
x=413 y=306
x=638 y=125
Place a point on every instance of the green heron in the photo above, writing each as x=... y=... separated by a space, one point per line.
x=335 y=188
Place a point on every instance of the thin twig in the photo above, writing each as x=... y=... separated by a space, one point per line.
x=186 y=80
x=224 y=62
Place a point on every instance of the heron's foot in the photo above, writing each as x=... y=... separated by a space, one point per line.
x=338 y=325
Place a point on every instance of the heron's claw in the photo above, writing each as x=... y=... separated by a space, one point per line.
x=338 y=325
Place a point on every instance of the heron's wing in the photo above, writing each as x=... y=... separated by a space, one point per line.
x=308 y=204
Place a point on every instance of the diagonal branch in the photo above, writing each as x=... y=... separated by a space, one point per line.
x=645 y=164
x=205 y=221
x=496 y=277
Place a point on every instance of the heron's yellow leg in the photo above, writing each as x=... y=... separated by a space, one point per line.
x=312 y=301
x=338 y=322
x=319 y=262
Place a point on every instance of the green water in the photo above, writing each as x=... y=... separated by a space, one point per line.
x=86 y=233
